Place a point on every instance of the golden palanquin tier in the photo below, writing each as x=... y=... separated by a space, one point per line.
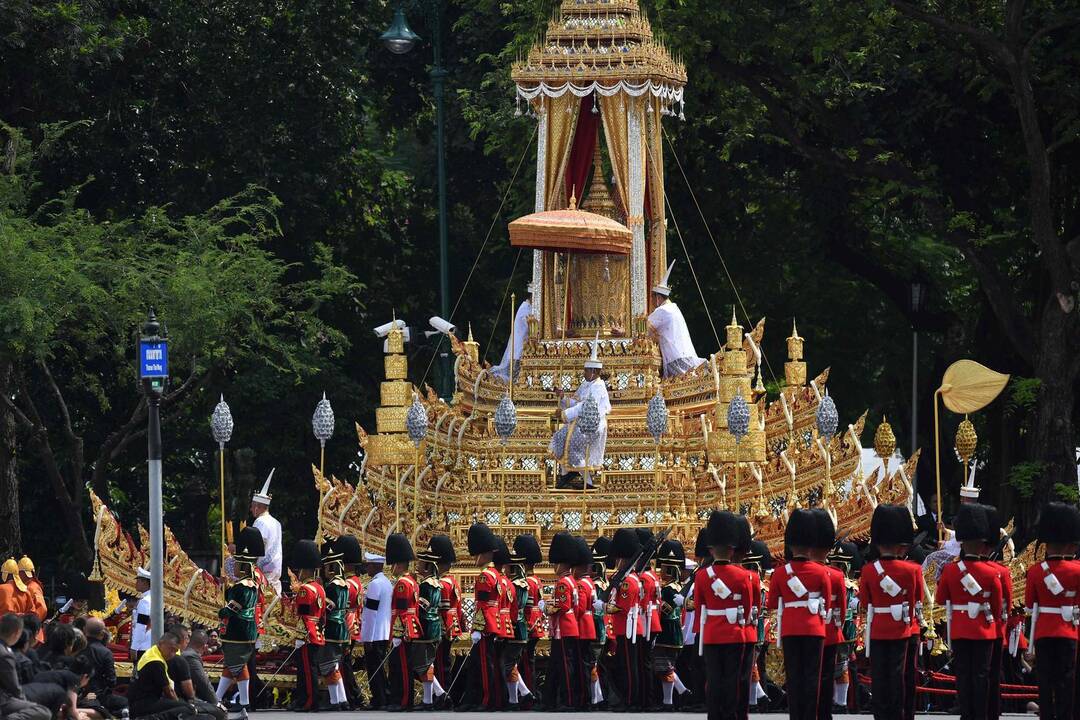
x=599 y=41
x=464 y=472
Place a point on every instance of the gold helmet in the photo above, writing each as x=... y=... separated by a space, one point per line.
x=26 y=565
x=10 y=571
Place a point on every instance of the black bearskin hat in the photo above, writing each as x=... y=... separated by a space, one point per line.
x=993 y=524
x=502 y=553
x=349 y=546
x=971 y=523
x=801 y=529
x=481 y=540
x=891 y=525
x=561 y=549
x=826 y=530
x=527 y=548
x=249 y=544
x=582 y=551
x=399 y=549
x=624 y=544
x=746 y=534
x=723 y=529
x=701 y=544
x=1059 y=523
x=305 y=555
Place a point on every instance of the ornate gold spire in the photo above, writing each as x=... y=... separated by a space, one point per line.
x=599 y=199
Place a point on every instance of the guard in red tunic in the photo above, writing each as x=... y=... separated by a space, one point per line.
x=505 y=658
x=997 y=540
x=745 y=549
x=970 y=592
x=650 y=623
x=483 y=675
x=561 y=687
x=889 y=589
x=526 y=547
x=594 y=622
x=722 y=604
x=588 y=681
x=353 y=558
x=624 y=606
x=451 y=618
x=834 y=620
x=1051 y=594
x=310 y=604
x=799 y=593
x=404 y=620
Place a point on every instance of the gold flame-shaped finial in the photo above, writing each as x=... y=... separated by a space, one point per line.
x=884 y=440
x=966 y=440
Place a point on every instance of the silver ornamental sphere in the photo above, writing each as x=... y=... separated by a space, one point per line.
x=322 y=420
x=221 y=422
x=588 y=421
x=738 y=417
x=505 y=418
x=656 y=416
x=827 y=417
x=416 y=421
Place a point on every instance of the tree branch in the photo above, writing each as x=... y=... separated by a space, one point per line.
x=26 y=423
x=1016 y=327
x=1029 y=46
x=982 y=39
x=1014 y=16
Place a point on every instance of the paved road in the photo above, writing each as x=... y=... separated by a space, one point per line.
x=275 y=715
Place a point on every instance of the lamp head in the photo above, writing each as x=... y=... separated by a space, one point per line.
x=399 y=39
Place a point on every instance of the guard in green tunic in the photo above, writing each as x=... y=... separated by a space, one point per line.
x=238 y=616
x=672 y=560
x=422 y=649
x=336 y=629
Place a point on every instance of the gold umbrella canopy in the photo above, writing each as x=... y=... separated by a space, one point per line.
x=571 y=230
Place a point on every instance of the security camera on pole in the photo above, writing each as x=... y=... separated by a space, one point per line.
x=154 y=373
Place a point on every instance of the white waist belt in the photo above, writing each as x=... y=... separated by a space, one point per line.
x=973 y=609
x=1068 y=613
x=732 y=614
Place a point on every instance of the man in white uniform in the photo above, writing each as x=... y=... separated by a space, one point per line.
x=580 y=452
x=140 y=620
x=270 y=528
x=375 y=627
x=668 y=326
x=521 y=334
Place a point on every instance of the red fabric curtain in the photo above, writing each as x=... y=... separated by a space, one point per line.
x=581 y=152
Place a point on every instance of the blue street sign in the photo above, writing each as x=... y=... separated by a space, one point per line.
x=153 y=359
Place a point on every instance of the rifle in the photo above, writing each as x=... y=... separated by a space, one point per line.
x=648 y=551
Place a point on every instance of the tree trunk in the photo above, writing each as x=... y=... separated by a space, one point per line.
x=1055 y=435
x=10 y=526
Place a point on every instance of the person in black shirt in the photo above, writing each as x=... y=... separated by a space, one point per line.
x=13 y=704
x=103 y=680
x=183 y=683
x=152 y=692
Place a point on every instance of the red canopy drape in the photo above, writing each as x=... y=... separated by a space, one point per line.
x=581 y=152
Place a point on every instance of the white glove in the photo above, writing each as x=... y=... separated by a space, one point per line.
x=598 y=605
x=299 y=644
x=679 y=600
x=541 y=605
x=476 y=636
x=396 y=642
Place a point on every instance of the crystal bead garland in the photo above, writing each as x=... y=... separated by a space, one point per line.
x=656 y=416
x=505 y=419
x=589 y=419
x=738 y=417
x=827 y=417
x=416 y=421
x=221 y=422
x=322 y=420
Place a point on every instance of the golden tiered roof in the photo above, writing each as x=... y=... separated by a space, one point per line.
x=603 y=42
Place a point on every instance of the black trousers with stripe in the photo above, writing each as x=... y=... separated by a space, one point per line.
x=484 y=683
x=1055 y=663
x=911 y=675
x=723 y=672
x=625 y=670
x=563 y=681
x=401 y=686
x=993 y=695
x=306 y=694
x=888 y=659
x=802 y=666
x=827 y=683
x=971 y=662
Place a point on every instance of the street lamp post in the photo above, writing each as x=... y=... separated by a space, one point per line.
x=400 y=39
x=153 y=372
x=918 y=297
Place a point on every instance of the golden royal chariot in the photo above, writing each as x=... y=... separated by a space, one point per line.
x=599 y=85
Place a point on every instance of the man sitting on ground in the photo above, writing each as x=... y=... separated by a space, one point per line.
x=151 y=692
x=200 y=681
x=180 y=672
x=13 y=705
x=103 y=680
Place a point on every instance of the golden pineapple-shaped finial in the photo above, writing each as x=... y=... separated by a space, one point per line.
x=884 y=440
x=966 y=440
